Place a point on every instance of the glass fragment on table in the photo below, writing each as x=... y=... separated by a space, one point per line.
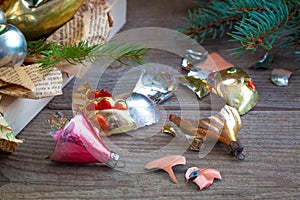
x=264 y=63
x=57 y=121
x=166 y=163
x=235 y=87
x=114 y=116
x=158 y=87
x=193 y=58
x=204 y=178
x=222 y=127
x=280 y=77
x=199 y=86
x=79 y=142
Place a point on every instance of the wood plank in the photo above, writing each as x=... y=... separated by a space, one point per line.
x=270 y=136
x=269 y=169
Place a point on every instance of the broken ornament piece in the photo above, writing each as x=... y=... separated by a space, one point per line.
x=222 y=127
x=142 y=110
x=166 y=163
x=280 y=77
x=57 y=121
x=114 y=116
x=193 y=58
x=235 y=87
x=204 y=178
x=158 y=87
x=78 y=142
x=199 y=86
x=169 y=129
x=264 y=63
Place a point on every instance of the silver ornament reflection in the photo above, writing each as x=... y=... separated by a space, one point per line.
x=13 y=46
x=280 y=77
x=193 y=58
x=142 y=110
x=2 y=17
x=158 y=87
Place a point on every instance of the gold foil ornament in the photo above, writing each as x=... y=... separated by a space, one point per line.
x=168 y=129
x=199 y=86
x=40 y=19
x=222 y=127
x=235 y=87
x=57 y=121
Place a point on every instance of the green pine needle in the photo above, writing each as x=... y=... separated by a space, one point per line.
x=253 y=23
x=51 y=54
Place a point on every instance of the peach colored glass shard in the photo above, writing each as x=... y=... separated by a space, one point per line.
x=166 y=163
x=204 y=178
x=215 y=62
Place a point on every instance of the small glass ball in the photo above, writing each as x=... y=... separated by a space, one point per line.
x=13 y=46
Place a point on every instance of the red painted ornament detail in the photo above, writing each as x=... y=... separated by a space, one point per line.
x=251 y=85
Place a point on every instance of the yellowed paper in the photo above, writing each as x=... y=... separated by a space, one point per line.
x=31 y=82
x=15 y=76
x=50 y=85
x=92 y=23
x=8 y=141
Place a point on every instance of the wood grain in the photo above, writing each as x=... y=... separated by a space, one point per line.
x=270 y=136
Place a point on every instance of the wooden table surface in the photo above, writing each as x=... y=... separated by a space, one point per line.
x=270 y=135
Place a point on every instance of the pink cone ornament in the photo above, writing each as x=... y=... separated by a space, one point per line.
x=78 y=142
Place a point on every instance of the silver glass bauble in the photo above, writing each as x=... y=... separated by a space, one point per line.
x=2 y=17
x=13 y=46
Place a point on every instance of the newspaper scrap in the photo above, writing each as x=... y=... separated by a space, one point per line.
x=91 y=23
x=30 y=82
x=8 y=141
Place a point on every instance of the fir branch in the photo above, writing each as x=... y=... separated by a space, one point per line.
x=51 y=54
x=253 y=23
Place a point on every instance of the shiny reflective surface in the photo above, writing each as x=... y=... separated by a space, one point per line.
x=143 y=111
x=158 y=87
x=193 y=58
x=235 y=87
x=280 y=77
x=13 y=46
x=78 y=142
x=2 y=17
x=168 y=129
x=41 y=19
x=199 y=86
x=222 y=127
x=264 y=63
